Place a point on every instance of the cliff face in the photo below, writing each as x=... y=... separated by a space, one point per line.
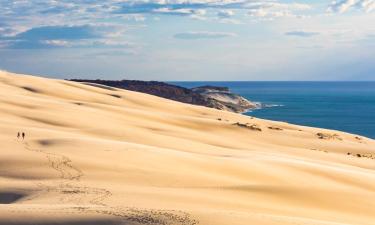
x=209 y=96
x=230 y=101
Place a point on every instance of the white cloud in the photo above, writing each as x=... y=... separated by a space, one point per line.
x=135 y=17
x=56 y=43
x=301 y=33
x=271 y=10
x=258 y=12
x=342 y=6
x=346 y=5
x=225 y=13
x=203 y=35
x=24 y=15
x=94 y=35
x=229 y=21
x=368 y=5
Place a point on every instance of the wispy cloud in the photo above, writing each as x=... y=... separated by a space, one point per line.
x=66 y=36
x=225 y=13
x=272 y=10
x=66 y=23
x=346 y=5
x=148 y=37
x=203 y=35
x=301 y=33
x=64 y=12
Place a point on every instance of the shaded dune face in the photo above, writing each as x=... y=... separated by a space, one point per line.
x=10 y=197
x=31 y=89
x=78 y=222
x=98 y=155
x=62 y=222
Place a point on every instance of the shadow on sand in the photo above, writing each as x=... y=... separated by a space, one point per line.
x=63 y=222
x=10 y=197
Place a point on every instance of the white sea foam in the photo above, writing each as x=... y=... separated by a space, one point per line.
x=259 y=105
x=272 y=105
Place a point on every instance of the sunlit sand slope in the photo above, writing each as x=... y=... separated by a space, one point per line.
x=99 y=155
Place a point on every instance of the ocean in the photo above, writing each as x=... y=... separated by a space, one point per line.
x=344 y=106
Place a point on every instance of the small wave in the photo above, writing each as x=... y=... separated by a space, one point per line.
x=272 y=105
x=259 y=105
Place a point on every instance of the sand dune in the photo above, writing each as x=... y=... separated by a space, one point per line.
x=97 y=155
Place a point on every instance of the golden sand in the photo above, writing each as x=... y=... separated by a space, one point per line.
x=99 y=155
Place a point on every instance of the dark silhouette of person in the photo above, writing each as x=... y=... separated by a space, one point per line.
x=18 y=135
x=23 y=135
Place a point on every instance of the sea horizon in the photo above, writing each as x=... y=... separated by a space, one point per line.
x=188 y=112
x=339 y=105
x=218 y=81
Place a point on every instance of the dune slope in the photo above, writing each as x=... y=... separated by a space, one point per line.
x=100 y=155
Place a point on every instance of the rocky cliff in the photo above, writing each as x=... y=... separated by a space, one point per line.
x=229 y=100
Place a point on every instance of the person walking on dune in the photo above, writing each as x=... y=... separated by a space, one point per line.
x=18 y=135
x=23 y=135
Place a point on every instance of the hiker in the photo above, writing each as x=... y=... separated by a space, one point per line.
x=23 y=135
x=18 y=135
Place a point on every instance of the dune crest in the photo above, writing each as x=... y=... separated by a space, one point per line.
x=95 y=155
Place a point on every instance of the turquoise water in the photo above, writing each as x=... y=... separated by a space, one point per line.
x=345 y=106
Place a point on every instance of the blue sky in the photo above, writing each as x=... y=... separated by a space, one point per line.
x=189 y=39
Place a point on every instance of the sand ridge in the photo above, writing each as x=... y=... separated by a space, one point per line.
x=98 y=155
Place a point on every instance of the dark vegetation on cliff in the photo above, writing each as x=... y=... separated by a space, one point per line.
x=209 y=96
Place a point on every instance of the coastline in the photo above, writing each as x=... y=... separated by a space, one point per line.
x=111 y=156
x=346 y=106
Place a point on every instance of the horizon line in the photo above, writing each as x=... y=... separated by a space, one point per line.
x=268 y=81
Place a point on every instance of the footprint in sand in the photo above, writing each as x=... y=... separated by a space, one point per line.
x=92 y=200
